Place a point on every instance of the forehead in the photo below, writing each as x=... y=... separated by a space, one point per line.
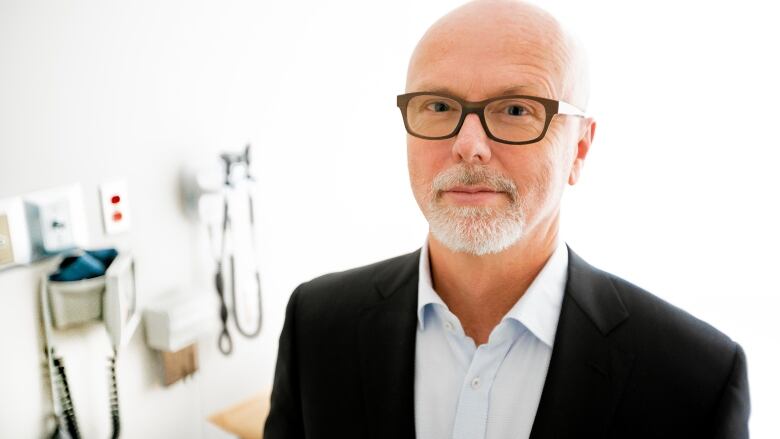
x=480 y=57
x=516 y=85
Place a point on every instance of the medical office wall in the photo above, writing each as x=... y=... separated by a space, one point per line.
x=95 y=91
x=678 y=192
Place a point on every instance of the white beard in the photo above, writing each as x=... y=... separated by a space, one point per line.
x=476 y=230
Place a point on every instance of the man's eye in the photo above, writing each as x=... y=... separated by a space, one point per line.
x=438 y=107
x=516 y=110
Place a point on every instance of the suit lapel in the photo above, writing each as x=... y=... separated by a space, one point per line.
x=386 y=337
x=587 y=373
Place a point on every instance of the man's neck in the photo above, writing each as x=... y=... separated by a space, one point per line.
x=480 y=290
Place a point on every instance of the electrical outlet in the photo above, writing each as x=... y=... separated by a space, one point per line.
x=51 y=225
x=6 y=247
x=56 y=222
x=116 y=207
x=56 y=226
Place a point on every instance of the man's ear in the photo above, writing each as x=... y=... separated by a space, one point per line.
x=588 y=130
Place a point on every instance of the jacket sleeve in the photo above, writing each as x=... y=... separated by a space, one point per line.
x=733 y=409
x=285 y=419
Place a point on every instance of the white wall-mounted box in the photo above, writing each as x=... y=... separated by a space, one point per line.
x=111 y=298
x=177 y=321
x=75 y=303
x=55 y=220
x=120 y=300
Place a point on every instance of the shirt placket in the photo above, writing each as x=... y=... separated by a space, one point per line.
x=474 y=399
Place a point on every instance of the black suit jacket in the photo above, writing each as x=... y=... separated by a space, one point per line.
x=625 y=364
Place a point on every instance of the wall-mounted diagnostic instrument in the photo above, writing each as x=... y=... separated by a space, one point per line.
x=222 y=197
x=88 y=286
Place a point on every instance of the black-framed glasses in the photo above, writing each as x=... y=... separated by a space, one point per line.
x=515 y=119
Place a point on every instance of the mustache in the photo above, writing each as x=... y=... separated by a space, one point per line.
x=472 y=175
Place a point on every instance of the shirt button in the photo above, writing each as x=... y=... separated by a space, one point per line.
x=475 y=383
x=449 y=326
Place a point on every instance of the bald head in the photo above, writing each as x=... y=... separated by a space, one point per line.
x=488 y=44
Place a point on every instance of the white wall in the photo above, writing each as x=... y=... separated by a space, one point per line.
x=678 y=193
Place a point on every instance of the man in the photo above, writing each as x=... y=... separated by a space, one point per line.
x=495 y=328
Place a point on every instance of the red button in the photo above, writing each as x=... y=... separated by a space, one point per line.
x=115 y=199
x=117 y=216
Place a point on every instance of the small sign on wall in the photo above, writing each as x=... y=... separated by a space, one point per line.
x=6 y=247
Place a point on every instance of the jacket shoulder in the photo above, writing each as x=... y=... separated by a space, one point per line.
x=667 y=322
x=359 y=286
x=677 y=353
x=681 y=365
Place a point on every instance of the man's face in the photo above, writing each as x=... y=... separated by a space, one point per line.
x=480 y=196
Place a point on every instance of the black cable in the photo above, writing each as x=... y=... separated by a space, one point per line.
x=224 y=341
x=256 y=331
x=244 y=332
x=113 y=396
x=66 y=403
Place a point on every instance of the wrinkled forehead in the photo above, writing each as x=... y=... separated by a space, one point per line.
x=489 y=52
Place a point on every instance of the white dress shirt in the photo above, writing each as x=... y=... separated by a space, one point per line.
x=462 y=391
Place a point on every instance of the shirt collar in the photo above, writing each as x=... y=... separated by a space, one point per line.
x=539 y=307
x=425 y=292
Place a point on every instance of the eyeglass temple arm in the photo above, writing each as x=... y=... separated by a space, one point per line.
x=567 y=108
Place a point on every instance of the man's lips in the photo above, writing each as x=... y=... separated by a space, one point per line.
x=472 y=195
x=471 y=189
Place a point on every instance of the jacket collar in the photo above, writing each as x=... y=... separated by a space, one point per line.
x=386 y=339
x=587 y=373
x=595 y=294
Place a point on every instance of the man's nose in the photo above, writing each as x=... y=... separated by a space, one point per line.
x=471 y=143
